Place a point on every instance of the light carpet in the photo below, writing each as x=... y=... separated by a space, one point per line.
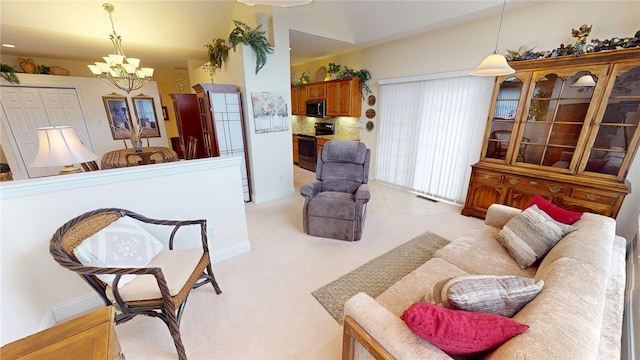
x=377 y=275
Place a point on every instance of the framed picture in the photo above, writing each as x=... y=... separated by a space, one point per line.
x=165 y=113
x=146 y=113
x=118 y=115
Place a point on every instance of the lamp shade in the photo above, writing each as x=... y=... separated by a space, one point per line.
x=59 y=146
x=493 y=65
x=584 y=80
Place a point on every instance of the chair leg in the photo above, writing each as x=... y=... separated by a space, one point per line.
x=174 y=329
x=212 y=279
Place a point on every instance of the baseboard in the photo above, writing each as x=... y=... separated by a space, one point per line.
x=90 y=302
x=230 y=252
x=632 y=291
x=75 y=307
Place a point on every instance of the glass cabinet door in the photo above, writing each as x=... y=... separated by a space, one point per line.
x=557 y=109
x=506 y=108
x=616 y=131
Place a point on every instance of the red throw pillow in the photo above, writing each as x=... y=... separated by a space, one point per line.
x=459 y=332
x=557 y=213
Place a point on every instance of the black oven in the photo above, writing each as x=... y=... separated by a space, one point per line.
x=307 y=152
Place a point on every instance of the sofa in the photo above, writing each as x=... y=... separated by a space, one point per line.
x=577 y=314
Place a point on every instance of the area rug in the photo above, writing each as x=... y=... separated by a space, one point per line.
x=377 y=275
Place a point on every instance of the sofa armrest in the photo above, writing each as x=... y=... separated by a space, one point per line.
x=388 y=330
x=363 y=193
x=311 y=189
x=498 y=215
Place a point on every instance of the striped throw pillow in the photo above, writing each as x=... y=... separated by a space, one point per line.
x=502 y=295
x=530 y=235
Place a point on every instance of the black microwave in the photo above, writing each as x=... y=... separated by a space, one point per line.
x=316 y=108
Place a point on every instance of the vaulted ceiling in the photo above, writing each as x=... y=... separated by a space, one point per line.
x=166 y=33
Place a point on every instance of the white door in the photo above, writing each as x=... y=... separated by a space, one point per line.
x=28 y=108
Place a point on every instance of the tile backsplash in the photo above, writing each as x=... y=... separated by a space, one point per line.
x=345 y=126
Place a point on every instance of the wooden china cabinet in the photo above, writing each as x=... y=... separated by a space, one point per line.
x=547 y=135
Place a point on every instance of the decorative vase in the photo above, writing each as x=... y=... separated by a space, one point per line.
x=136 y=143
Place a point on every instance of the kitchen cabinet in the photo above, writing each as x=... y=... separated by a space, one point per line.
x=220 y=108
x=343 y=97
x=185 y=107
x=89 y=336
x=316 y=91
x=571 y=144
x=298 y=100
x=295 y=148
x=319 y=144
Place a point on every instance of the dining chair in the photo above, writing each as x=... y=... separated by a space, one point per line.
x=192 y=148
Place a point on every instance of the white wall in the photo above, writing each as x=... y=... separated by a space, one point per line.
x=270 y=154
x=90 y=91
x=35 y=291
x=548 y=24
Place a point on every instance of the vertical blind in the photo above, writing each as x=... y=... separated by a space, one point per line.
x=431 y=132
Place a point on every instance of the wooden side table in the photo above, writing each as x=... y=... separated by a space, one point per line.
x=89 y=336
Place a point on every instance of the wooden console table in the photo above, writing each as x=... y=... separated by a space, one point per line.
x=89 y=336
x=128 y=157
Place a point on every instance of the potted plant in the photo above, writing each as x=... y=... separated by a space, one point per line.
x=255 y=38
x=305 y=78
x=333 y=70
x=218 y=53
x=9 y=73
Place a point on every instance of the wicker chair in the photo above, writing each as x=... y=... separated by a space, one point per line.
x=166 y=304
x=90 y=166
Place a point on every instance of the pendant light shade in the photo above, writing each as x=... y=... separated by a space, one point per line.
x=494 y=64
x=584 y=81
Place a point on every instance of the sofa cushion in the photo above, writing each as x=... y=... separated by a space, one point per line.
x=412 y=287
x=460 y=332
x=478 y=252
x=557 y=213
x=529 y=235
x=122 y=244
x=500 y=295
x=334 y=205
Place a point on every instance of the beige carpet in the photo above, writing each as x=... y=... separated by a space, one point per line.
x=266 y=310
x=377 y=275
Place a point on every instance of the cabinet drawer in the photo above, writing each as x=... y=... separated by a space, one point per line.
x=586 y=206
x=481 y=175
x=542 y=186
x=590 y=195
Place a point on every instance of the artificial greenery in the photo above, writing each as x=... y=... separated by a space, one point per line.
x=9 y=73
x=255 y=38
x=580 y=47
x=218 y=53
x=363 y=74
x=242 y=34
x=333 y=68
x=43 y=69
x=305 y=78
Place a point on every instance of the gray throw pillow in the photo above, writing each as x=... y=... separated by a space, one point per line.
x=500 y=295
x=530 y=235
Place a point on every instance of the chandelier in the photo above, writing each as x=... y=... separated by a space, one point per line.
x=118 y=70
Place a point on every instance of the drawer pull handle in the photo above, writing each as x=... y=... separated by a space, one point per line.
x=592 y=197
x=554 y=189
x=533 y=182
x=513 y=181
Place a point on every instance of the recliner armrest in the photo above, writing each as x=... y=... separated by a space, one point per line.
x=363 y=193
x=311 y=189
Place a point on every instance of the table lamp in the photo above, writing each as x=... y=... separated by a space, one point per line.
x=59 y=146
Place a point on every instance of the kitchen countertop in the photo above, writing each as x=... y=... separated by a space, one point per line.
x=331 y=137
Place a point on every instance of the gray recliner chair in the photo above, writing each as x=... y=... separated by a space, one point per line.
x=335 y=204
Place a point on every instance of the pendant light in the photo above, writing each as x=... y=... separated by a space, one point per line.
x=494 y=64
